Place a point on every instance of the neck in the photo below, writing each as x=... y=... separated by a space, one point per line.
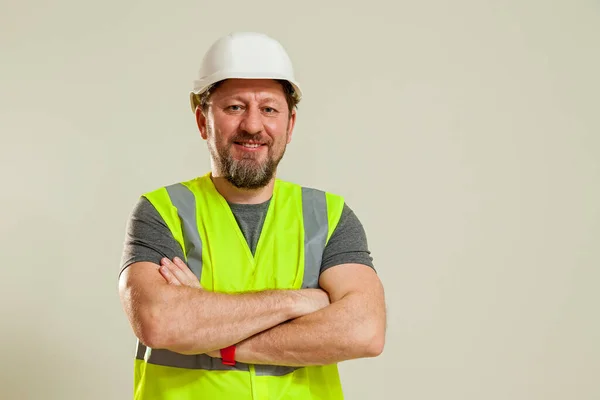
x=242 y=196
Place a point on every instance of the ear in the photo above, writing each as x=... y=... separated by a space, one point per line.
x=291 y=124
x=201 y=122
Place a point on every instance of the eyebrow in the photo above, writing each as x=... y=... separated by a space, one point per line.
x=263 y=100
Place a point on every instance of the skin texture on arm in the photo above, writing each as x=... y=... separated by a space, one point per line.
x=168 y=309
x=353 y=326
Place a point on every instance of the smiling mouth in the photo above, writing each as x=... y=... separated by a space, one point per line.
x=249 y=145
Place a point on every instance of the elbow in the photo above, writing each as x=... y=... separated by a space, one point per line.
x=151 y=337
x=154 y=332
x=371 y=341
x=375 y=346
x=151 y=331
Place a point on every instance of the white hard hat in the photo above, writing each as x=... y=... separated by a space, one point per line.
x=244 y=55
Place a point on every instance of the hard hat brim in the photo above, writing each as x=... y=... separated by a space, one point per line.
x=200 y=85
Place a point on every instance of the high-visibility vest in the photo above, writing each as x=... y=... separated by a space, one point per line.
x=297 y=226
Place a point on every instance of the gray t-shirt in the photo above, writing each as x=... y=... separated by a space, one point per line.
x=148 y=238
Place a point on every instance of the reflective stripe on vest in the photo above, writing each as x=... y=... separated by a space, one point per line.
x=316 y=228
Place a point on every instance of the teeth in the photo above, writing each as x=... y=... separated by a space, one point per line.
x=252 y=146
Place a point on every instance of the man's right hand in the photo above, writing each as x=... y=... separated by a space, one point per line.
x=311 y=300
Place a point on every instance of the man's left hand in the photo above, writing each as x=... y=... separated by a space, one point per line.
x=177 y=273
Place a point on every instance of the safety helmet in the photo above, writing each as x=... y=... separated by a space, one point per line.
x=244 y=55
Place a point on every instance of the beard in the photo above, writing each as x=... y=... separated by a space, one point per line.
x=248 y=172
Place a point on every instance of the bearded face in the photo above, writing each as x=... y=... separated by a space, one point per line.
x=248 y=127
x=247 y=161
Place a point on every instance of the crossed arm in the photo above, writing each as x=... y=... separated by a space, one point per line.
x=168 y=309
x=352 y=326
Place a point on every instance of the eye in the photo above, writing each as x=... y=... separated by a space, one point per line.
x=269 y=110
x=234 y=107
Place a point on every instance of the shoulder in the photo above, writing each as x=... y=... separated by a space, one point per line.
x=349 y=221
x=320 y=204
x=312 y=193
x=348 y=244
x=189 y=183
x=162 y=197
x=282 y=183
x=144 y=212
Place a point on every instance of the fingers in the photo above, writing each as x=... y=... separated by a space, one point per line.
x=181 y=272
x=191 y=277
x=168 y=275
x=184 y=268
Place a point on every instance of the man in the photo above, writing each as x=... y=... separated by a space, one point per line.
x=237 y=284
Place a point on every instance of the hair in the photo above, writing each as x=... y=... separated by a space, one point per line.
x=291 y=96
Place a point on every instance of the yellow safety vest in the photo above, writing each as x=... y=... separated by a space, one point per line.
x=297 y=226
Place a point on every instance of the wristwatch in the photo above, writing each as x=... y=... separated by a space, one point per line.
x=228 y=355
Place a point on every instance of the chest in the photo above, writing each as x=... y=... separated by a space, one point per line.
x=251 y=251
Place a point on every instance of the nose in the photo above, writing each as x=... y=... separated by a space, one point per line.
x=252 y=121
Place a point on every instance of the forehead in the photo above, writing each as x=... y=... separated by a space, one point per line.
x=255 y=88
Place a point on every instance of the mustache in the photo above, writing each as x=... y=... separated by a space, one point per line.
x=246 y=137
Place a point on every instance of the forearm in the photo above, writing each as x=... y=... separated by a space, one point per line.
x=190 y=320
x=195 y=321
x=186 y=319
x=346 y=329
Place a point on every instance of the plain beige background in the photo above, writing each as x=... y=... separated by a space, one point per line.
x=464 y=134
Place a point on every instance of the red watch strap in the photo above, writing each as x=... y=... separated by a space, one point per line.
x=228 y=355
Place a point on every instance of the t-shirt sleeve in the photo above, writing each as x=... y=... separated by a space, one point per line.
x=348 y=243
x=147 y=237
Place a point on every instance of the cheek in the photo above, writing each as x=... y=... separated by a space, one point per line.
x=225 y=122
x=278 y=130
x=224 y=131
